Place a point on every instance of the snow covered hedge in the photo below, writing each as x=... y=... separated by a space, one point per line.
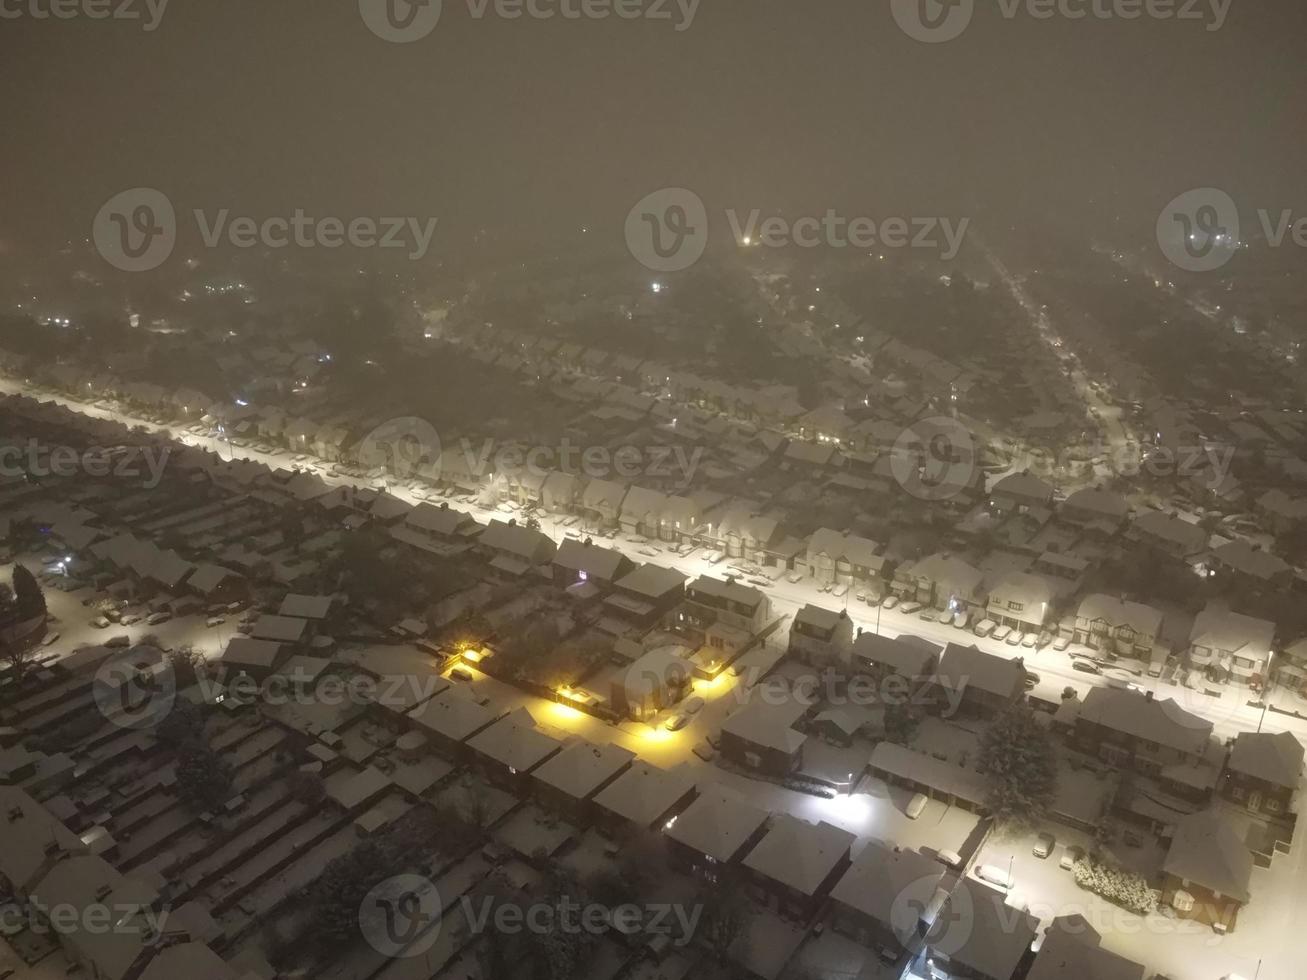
x=1126 y=888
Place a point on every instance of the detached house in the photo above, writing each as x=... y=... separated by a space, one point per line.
x=1207 y=871
x=515 y=549
x=717 y=829
x=867 y=902
x=709 y=600
x=1101 y=510
x=762 y=736
x=1017 y=493
x=1169 y=535
x=1020 y=600
x=584 y=561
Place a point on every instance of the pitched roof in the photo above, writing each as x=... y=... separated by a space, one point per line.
x=1065 y=956
x=652 y=580
x=968 y=666
x=283 y=629
x=596 y=562
x=306 y=606
x=999 y=935
x=455 y=716
x=718 y=823
x=514 y=741
x=880 y=875
x=1207 y=851
x=1143 y=716
x=768 y=725
x=1220 y=628
x=581 y=768
x=899 y=760
x=28 y=829
x=1118 y=612
x=909 y=656
x=1276 y=759
x=800 y=854
x=644 y=793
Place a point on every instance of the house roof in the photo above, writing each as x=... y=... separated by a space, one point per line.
x=442 y=520
x=581 y=769
x=1244 y=557
x=644 y=793
x=1065 y=956
x=1219 y=628
x=1024 y=485
x=1025 y=588
x=1179 y=532
x=898 y=760
x=28 y=829
x=1104 y=503
x=596 y=562
x=244 y=651
x=800 y=854
x=950 y=571
x=1207 y=851
x=1276 y=759
x=454 y=716
x=968 y=666
x=999 y=935
x=514 y=741
x=653 y=581
x=603 y=495
x=208 y=577
x=769 y=725
x=194 y=961
x=880 y=875
x=282 y=629
x=909 y=656
x=718 y=823
x=517 y=541
x=1143 y=716
x=743 y=595
x=822 y=619
x=1118 y=612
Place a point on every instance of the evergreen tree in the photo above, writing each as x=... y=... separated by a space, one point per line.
x=1020 y=759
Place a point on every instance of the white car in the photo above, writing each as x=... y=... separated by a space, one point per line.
x=676 y=722
x=985 y=627
x=692 y=706
x=994 y=875
x=1001 y=633
x=908 y=607
x=840 y=591
x=915 y=806
x=1015 y=638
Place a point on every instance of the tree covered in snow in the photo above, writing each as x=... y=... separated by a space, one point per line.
x=1018 y=755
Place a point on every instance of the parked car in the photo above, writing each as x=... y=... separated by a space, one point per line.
x=951 y=858
x=1029 y=640
x=960 y=620
x=131 y=619
x=100 y=623
x=1070 y=855
x=1014 y=638
x=676 y=722
x=705 y=752
x=1061 y=643
x=156 y=619
x=50 y=639
x=693 y=705
x=461 y=674
x=915 y=806
x=713 y=557
x=1044 y=845
x=908 y=607
x=890 y=601
x=985 y=627
x=213 y=621
x=121 y=640
x=1001 y=633
x=795 y=578
x=840 y=591
x=994 y=875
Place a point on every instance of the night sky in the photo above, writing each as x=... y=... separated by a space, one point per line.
x=533 y=128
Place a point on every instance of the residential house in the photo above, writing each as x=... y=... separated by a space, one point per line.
x=1247 y=566
x=1263 y=773
x=1118 y=627
x=1207 y=871
x=680 y=519
x=1281 y=512
x=560 y=492
x=941 y=581
x=1230 y=645
x=762 y=736
x=910 y=657
x=514 y=548
x=715 y=832
x=795 y=866
x=510 y=750
x=741 y=532
x=642 y=511
x=1017 y=493
x=585 y=561
x=568 y=782
x=1168 y=535
x=443 y=524
x=1134 y=730
x=258 y=659
x=644 y=797
x=997 y=946
x=449 y=719
x=977 y=683
x=939 y=779
x=868 y=901
x=836 y=557
x=1020 y=600
x=601 y=502
x=646 y=595
x=820 y=636
x=1102 y=510
x=656 y=680
x=1073 y=952
x=709 y=600
x=35 y=840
